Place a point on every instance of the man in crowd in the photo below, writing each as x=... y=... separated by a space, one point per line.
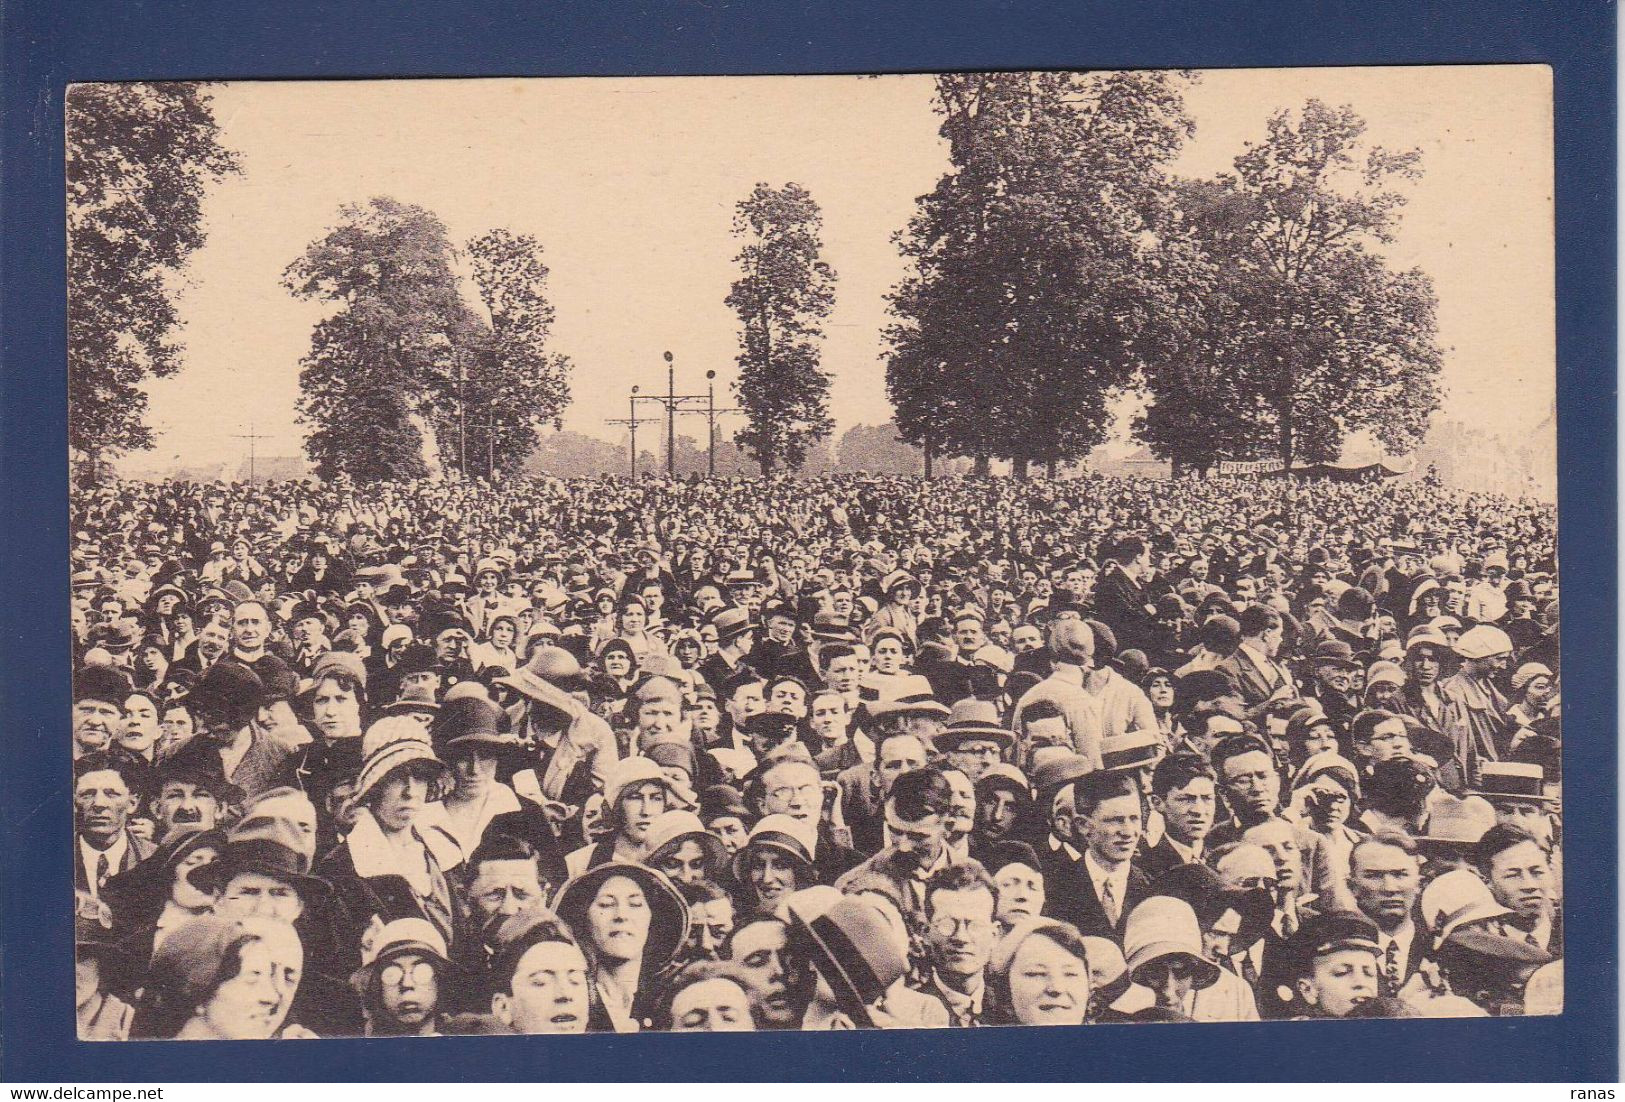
x=1224 y=611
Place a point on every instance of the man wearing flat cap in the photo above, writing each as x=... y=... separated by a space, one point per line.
x=1475 y=709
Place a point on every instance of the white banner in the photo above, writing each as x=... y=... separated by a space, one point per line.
x=1249 y=466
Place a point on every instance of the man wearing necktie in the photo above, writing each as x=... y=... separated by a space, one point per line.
x=1096 y=891
x=1385 y=878
x=959 y=904
x=107 y=788
x=1519 y=871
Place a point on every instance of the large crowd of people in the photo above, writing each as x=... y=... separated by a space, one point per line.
x=554 y=756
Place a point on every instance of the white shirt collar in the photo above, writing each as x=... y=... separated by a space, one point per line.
x=1098 y=875
x=90 y=855
x=1188 y=853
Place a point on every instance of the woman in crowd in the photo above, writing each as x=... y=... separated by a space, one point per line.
x=220 y=979
x=1039 y=975
x=630 y=922
x=389 y=864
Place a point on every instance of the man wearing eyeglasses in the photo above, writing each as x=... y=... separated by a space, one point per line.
x=400 y=978
x=791 y=785
x=959 y=903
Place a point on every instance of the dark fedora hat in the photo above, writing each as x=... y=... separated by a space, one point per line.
x=1334 y=652
x=267 y=845
x=468 y=722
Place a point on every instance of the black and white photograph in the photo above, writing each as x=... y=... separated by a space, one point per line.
x=1043 y=548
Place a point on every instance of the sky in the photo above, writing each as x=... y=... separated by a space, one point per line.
x=630 y=185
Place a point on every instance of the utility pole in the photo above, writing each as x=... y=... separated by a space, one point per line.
x=671 y=418
x=631 y=422
x=675 y=404
x=251 y=436
x=710 y=424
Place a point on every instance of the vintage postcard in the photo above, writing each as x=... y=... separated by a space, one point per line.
x=813 y=553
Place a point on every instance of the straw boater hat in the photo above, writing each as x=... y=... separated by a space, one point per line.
x=910 y=695
x=1512 y=781
x=972 y=720
x=1132 y=751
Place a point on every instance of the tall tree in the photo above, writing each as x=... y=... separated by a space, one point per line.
x=1311 y=335
x=1042 y=272
x=783 y=292
x=139 y=158
x=513 y=383
x=392 y=347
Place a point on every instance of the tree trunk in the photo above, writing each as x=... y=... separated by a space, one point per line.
x=1051 y=467
x=1287 y=441
x=983 y=466
x=428 y=445
x=930 y=456
x=1018 y=468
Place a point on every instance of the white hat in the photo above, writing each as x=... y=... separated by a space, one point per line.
x=401 y=934
x=1453 y=899
x=1483 y=641
x=1164 y=926
x=390 y=743
x=636 y=770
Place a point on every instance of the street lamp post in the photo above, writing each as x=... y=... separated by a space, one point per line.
x=676 y=403
x=710 y=424
x=632 y=425
x=671 y=418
